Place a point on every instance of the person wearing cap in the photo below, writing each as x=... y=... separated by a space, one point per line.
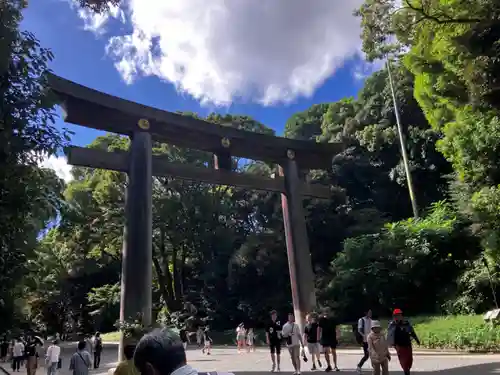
x=399 y=335
x=364 y=329
x=378 y=349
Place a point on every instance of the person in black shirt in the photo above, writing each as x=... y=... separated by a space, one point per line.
x=97 y=349
x=31 y=356
x=399 y=335
x=328 y=339
x=184 y=337
x=273 y=339
x=207 y=340
x=4 y=349
x=311 y=336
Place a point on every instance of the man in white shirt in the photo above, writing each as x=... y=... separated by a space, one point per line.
x=291 y=332
x=364 y=329
x=17 y=354
x=52 y=358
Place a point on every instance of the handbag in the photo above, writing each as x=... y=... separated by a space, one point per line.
x=59 y=363
x=289 y=338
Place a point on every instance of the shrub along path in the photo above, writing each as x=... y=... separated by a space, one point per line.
x=463 y=332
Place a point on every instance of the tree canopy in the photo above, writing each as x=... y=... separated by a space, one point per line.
x=217 y=249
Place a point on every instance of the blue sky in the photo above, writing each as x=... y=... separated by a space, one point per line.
x=80 y=55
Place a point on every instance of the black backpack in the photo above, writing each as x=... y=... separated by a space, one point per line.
x=357 y=335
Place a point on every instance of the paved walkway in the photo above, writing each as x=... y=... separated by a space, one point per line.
x=258 y=363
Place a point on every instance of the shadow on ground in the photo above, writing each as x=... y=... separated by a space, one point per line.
x=481 y=369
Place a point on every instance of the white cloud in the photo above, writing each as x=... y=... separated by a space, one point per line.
x=97 y=22
x=364 y=69
x=60 y=165
x=217 y=50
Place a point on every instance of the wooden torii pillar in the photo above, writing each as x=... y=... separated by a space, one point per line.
x=87 y=107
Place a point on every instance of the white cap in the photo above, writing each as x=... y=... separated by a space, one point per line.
x=375 y=324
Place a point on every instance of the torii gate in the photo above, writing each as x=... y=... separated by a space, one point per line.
x=93 y=109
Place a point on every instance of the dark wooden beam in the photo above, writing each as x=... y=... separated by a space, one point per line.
x=222 y=160
x=118 y=161
x=91 y=108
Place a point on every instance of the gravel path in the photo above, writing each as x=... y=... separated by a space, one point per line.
x=257 y=363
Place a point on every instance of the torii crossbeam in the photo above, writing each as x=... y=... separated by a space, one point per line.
x=90 y=108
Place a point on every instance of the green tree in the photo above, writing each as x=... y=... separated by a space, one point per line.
x=29 y=195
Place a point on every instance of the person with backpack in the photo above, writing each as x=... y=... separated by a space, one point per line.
x=399 y=335
x=364 y=329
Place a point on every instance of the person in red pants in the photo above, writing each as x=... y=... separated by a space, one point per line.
x=399 y=335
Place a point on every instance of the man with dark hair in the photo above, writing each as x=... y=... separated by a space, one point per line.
x=31 y=356
x=311 y=337
x=127 y=366
x=183 y=333
x=364 y=329
x=328 y=333
x=97 y=349
x=161 y=353
x=80 y=362
x=273 y=339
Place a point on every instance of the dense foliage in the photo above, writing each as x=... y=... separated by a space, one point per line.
x=29 y=195
x=218 y=249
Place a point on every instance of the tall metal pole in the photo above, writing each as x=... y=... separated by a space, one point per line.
x=402 y=141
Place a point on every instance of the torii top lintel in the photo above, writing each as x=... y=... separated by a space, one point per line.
x=94 y=109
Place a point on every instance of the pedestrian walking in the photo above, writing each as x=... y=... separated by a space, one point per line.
x=240 y=337
x=80 y=362
x=311 y=337
x=17 y=354
x=31 y=354
x=53 y=358
x=291 y=333
x=89 y=345
x=378 y=349
x=364 y=329
x=184 y=337
x=273 y=339
x=250 y=340
x=199 y=336
x=4 y=349
x=399 y=335
x=97 y=349
x=207 y=341
x=329 y=333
